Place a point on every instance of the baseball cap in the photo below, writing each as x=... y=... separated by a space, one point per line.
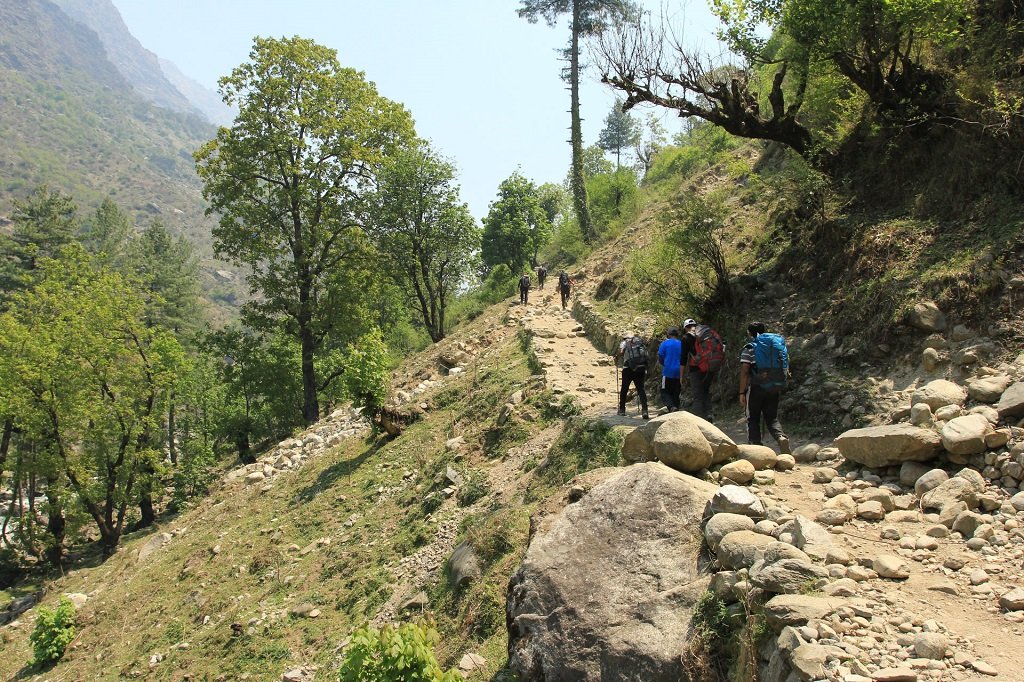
x=689 y=323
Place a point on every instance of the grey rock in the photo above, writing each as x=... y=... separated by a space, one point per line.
x=889 y=566
x=808 y=661
x=988 y=389
x=786 y=576
x=741 y=471
x=679 y=444
x=1011 y=403
x=949 y=493
x=1013 y=600
x=720 y=525
x=734 y=499
x=966 y=523
x=932 y=645
x=630 y=619
x=888 y=445
x=806 y=453
x=910 y=472
x=929 y=481
x=810 y=537
x=966 y=435
x=463 y=565
x=742 y=548
x=926 y=316
x=939 y=393
x=798 y=609
x=762 y=457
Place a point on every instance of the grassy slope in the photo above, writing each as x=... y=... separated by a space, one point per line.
x=182 y=601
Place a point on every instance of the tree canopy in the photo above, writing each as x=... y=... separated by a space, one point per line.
x=516 y=226
x=426 y=235
x=290 y=180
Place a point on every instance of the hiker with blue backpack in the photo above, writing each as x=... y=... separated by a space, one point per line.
x=669 y=355
x=764 y=370
x=705 y=353
x=634 y=371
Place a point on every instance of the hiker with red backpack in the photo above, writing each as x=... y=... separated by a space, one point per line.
x=705 y=354
x=764 y=371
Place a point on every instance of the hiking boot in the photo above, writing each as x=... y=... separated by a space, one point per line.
x=645 y=415
x=784 y=446
x=621 y=412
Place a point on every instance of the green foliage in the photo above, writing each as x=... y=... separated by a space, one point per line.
x=583 y=445
x=612 y=196
x=516 y=226
x=426 y=237
x=44 y=223
x=567 y=246
x=54 y=630
x=87 y=378
x=474 y=487
x=402 y=654
x=620 y=134
x=366 y=367
x=299 y=225
x=194 y=472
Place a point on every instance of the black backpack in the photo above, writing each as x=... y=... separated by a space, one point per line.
x=524 y=282
x=563 y=281
x=634 y=355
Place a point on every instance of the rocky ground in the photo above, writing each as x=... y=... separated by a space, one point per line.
x=894 y=553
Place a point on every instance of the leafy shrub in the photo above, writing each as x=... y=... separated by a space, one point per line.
x=566 y=246
x=474 y=487
x=54 y=630
x=194 y=472
x=403 y=654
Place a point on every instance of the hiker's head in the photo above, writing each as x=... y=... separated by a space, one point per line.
x=689 y=324
x=755 y=328
x=673 y=332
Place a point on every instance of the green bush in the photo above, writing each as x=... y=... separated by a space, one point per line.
x=194 y=472
x=403 y=654
x=54 y=630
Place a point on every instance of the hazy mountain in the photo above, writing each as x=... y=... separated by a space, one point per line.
x=139 y=66
x=204 y=99
x=68 y=118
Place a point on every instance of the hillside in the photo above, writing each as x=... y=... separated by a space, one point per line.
x=72 y=121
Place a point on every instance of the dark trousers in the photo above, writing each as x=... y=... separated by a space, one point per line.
x=670 y=392
x=762 y=403
x=524 y=294
x=636 y=377
x=565 y=295
x=540 y=280
x=700 y=386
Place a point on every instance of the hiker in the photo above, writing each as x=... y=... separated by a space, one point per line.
x=634 y=370
x=564 y=287
x=704 y=353
x=542 y=274
x=669 y=355
x=524 y=288
x=764 y=369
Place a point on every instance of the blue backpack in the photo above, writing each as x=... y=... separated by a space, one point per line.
x=772 y=362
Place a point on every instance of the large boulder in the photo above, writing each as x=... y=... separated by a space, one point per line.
x=743 y=548
x=950 y=493
x=786 y=576
x=680 y=444
x=1011 y=403
x=463 y=566
x=720 y=525
x=798 y=609
x=761 y=456
x=927 y=317
x=809 y=536
x=607 y=587
x=639 y=443
x=888 y=445
x=966 y=435
x=988 y=389
x=939 y=393
x=741 y=471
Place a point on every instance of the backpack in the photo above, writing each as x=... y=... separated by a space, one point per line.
x=524 y=282
x=771 y=359
x=635 y=354
x=708 y=350
x=563 y=281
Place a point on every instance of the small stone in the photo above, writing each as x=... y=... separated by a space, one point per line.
x=888 y=566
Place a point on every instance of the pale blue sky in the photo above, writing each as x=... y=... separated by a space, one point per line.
x=482 y=84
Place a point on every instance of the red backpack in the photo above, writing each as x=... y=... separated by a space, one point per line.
x=708 y=350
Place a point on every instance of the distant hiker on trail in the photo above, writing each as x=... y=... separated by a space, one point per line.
x=705 y=354
x=634 y=370
x=542 y=274
x=764 y=369
x=564 y=287
x=524 y=288
x=669 y=354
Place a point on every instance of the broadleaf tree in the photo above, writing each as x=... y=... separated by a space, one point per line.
x=516 y=226
x=586 y=18
x=290 y=180
x=426 y=236
x=86 y=377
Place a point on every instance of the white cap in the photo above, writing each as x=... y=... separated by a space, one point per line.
x=689 y=323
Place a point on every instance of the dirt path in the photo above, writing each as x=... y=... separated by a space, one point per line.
x=967 y=613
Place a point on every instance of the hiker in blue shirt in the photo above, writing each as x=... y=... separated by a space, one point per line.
x=669 y=355
x=759 y=389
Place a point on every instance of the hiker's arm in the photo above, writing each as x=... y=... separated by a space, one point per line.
x=744 y=381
